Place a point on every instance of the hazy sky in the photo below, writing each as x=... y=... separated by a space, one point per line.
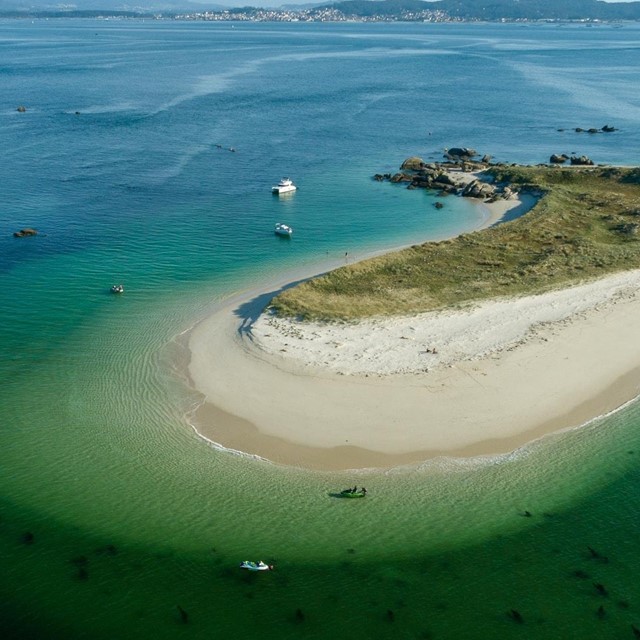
x=277 y=3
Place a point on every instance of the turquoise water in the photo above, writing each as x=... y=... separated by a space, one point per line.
x=131 y=514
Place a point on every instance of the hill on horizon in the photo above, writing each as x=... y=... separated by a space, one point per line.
x=491 y=10
x=498 y=9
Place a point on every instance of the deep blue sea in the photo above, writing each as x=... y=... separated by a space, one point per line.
x=146 y=156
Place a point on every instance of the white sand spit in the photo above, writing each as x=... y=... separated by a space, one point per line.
x=479 y=380
x=503 y=374
x=426 y=342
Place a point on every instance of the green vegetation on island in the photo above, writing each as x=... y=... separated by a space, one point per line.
x=584 y=227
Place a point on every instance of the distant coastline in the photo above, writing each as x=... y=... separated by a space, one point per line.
x=590 y=12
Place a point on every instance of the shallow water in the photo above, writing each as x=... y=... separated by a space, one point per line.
x=131 y=513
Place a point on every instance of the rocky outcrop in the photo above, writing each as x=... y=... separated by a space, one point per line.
x=412 y=164
x=449 y=177
x=24 y=233
x=444 y=179
x=575 y=160
x=401 y=177
x=608 y=129
x=507 y=193
x=581 y=161
x=460 y=153
x=477 y=189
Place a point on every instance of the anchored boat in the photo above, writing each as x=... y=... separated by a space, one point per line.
x=353 y=493
x=283 y=229
x=249 y=565
x=284 y=186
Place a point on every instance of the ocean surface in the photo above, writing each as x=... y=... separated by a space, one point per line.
x=116 y=520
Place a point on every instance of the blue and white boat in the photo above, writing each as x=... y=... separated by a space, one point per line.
x=283 y=229
x=284 y=186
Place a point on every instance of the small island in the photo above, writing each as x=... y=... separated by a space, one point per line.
x=475 y=345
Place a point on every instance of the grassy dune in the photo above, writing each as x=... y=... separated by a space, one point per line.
x=586 y=226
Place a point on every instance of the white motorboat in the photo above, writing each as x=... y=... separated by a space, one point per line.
x=249 y=565
x=284 y=186
x=283 y=229
x=117 y=288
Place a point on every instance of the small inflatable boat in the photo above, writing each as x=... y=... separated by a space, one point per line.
x=353 y=493
x=249 y=565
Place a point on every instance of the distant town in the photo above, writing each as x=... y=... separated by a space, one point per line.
x=590 y=12
x=321 y=14
x=249 y=14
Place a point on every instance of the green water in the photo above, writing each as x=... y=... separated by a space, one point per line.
x=447 y=549
x=133 y=515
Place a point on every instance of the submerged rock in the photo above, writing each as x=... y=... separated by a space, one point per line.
x=184 y=616
x=27 y=538
x=516 y=616
x=25 y=232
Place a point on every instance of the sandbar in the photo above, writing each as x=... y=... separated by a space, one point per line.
x=484 y=379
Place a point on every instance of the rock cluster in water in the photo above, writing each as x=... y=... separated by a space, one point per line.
x=575 y=160
x=24 y=233
x=449 y=177
x=605 y=129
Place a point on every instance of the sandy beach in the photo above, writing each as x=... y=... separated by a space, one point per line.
x=480 y=380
